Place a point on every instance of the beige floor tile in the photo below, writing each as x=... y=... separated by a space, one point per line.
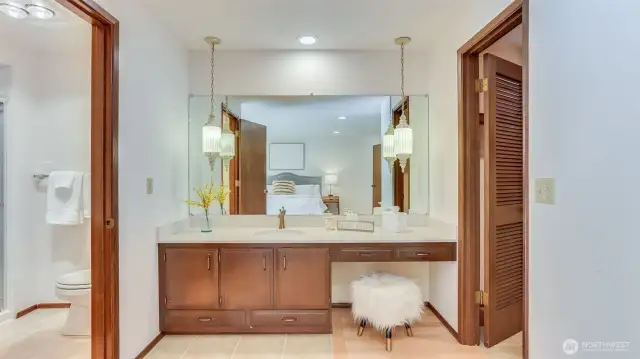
x=212 y=346
x=300 y=346
x=269 y=346
x=170 y=347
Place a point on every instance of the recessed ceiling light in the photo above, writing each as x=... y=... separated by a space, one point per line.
x=13 y=11
x=307 y=40
x=336 y=132
x=40 y=12
x=342 y=118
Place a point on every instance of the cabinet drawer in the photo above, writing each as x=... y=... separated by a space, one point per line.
x=199 y=321
x=293 y=318
x=434 y=252
x=363 y=254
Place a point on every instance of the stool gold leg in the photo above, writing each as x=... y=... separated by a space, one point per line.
x=408 y=329
x=388 y=338
x=363 y=324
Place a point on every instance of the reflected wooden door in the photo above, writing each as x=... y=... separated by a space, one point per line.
x=377 y=175
x=252 y=168
x=504 y=198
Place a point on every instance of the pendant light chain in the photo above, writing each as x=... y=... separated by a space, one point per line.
x=213 y=74
x=402 y=75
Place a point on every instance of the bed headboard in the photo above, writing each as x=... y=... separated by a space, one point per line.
x=297 y=179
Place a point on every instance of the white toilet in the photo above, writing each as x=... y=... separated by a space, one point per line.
x=75 y=288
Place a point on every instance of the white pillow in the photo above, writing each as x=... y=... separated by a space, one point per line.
x=308 y=190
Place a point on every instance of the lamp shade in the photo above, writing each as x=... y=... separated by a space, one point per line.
x=331 y=179
x=227 y=144
x=403 y=141
x=211 y=135
x=388 y=146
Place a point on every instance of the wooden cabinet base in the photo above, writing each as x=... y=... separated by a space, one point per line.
x=247 y=321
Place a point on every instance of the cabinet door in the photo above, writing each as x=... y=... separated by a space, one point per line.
x=303 y=278
x=191 y=278
x=246 y=278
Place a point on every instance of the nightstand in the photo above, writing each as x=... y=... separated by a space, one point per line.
x=333 y=203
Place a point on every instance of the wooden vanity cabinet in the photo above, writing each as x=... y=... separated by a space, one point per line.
x=190 y=278
x=303 y=278
x=246 y=278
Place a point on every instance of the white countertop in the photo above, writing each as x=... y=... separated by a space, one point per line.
x=310 y=235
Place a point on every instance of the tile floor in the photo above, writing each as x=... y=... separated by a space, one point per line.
x=431 y=340
x=37 y=336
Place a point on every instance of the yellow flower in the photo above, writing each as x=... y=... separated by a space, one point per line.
x=207 y=194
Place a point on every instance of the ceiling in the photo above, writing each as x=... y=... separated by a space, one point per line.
x=316 y=115
x=59 y=33
x=276 y=24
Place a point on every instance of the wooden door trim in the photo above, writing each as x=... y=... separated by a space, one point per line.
x=104 y=179
x=234 y=124
x=469 y=169
x=397 y=175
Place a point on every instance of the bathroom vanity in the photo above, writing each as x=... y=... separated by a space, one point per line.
x=253 y=280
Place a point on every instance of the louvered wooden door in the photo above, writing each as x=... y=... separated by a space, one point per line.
x=504 y=197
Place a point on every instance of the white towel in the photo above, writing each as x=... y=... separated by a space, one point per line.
x=86 y=195
x=64 y=199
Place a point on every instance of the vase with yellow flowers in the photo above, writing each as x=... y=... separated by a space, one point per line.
x=207 y=195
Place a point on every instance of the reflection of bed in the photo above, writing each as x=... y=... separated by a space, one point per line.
x=306 y=201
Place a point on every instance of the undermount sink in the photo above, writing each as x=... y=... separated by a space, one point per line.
x=276 y=232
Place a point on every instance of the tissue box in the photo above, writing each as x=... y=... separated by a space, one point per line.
x=394 y=222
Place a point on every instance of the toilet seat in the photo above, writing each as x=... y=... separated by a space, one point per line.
x=78 y=280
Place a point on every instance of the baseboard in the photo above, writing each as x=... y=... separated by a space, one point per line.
x=150 y=346
x=341 y=305
x=54 y=305
x=26 y=311
x=443 y=321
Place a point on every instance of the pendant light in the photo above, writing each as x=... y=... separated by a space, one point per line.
x=211 y=132
x=227 y=140
x=403 y=134
x=388 y=146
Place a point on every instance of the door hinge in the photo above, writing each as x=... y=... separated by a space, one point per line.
x=482 y=297
x=482 y=85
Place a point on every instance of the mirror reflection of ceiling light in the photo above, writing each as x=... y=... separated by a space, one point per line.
x=336 y=132
x=40 y=12
x=14 y=11
x=307 y=40
x=342 y=118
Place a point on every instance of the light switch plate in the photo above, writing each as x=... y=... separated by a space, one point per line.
x=545 y=190
x=149 y=185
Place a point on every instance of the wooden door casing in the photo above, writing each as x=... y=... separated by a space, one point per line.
x=504 y=200
x=252 y=170
x=191 y=278
x=246 y=278
x=303 y=277
x=401 y=180
x=377 y=175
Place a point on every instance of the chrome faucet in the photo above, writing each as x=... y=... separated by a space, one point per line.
x=283 y=212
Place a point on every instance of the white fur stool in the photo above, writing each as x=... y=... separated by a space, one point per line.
x=385 y=301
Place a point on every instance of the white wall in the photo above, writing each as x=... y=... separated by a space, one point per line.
x=47 y=119
x=152 y=143
x=583 y=132
x=442 y=85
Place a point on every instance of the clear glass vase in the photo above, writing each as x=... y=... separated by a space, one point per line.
x=207 y=223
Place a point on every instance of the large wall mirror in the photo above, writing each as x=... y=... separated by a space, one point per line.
x=312 y=154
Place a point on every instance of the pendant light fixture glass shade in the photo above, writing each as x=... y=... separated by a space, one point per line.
x=388 y=147
x=211 y=132
x=403 y=141
x=227 y=145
